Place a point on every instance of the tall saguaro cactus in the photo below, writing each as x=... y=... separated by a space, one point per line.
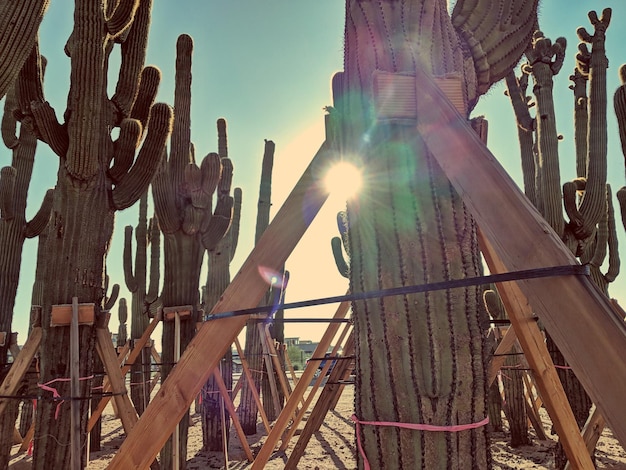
x=183 y=199
x=14 y=229
x=144 y=296
x=590 y=231
x=248 y=411
x=98 y=175
x=423 y=353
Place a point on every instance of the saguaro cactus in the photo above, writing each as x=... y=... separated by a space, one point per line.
x=248 y=411
x=590 y=231
x=14 y=229
x=423 y=353
x=98 y=175
x=183 y=199
x=144 y=298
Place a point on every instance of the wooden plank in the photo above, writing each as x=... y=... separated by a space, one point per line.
x=269 y=369
x=532 y=409
x=215 y=337
x=522 y=239
x=125 y=408
x=75 y=454
x=591 y=431
x=536 y=353
x=62 y=314
x=499 y=355
x=132 y=357
x=28 y=438
x=251 y=385
x=21 y=363
x=233 y=414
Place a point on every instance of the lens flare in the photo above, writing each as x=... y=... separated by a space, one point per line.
x=343 y=180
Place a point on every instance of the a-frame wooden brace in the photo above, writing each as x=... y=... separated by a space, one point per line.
x=519 y=238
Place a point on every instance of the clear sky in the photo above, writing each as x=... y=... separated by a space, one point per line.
x=266 y=67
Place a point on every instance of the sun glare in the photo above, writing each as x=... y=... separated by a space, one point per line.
x=343 y=180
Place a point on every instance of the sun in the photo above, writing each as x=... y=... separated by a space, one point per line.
x=343 y=180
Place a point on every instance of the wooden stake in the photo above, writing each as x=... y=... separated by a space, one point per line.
x=176 y=436
x=21 y=363
x=252 y=386
x=536 y=352
x=75 y=456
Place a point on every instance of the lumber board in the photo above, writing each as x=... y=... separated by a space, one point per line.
x=212 y=341
x=132 y=357
x=21 y=363
x=126 y=410
x=228 y=403
x=591 y=432
x=247 y=375
x=522 y=239
x=498 y=357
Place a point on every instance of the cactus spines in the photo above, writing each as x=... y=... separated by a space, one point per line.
x=183 y=205
x=341 y=244
x=19 y=23
x=122 y=331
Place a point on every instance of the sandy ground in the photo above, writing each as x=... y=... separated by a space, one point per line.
x=333 y=447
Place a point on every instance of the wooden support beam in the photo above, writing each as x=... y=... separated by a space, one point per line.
x=21 y=363
x=233 y=414
x=546 y=378
x=591 y=431
x=526 y=241
x=215 y=337
x=252 y=386
x=498 y=357
x=269 y=368
x=130 y=360
x=75 y=445
x=125 y=408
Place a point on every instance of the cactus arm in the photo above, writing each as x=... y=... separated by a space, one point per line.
x=340 y=261
x=155 y=256
x=49 y=129
x=136 y=181
x=8 y=175
x=39 y=222
x=621 y=197
x=122 y=17
x=612 y=243
x=516 y=91
x=125 y=146
x=570 y=203
x=164 y=196
x=133 y=52
x=129 y=278
x=218 y=223
x=19 y=23
x=110 y=301
x=146 y=94
x=619 y=104
x=592 y=205
x=181 y=132
x=235 y=224
x=9 y=123
x=581 y=119
x=496 y=33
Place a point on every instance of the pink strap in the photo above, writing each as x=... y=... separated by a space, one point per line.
x=55 y=392
x=417 y=427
